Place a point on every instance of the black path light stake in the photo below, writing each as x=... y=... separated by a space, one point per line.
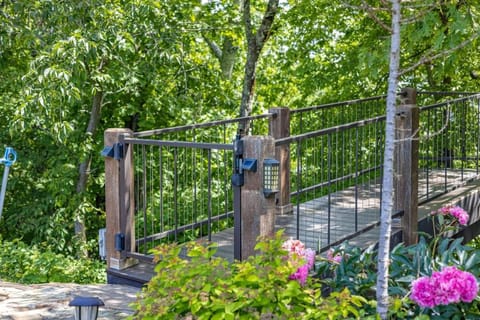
x=86 y=308
x=271 y=169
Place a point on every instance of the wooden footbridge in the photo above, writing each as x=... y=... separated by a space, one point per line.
x=206 y=181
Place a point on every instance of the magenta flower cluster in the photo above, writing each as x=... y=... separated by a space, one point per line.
x=450 y=285
x=307 y=259
x=456 y=212
x=337 y=258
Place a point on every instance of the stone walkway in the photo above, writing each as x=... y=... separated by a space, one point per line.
x=50 y=301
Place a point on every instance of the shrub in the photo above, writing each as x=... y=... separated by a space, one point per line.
x=208 y=287
x=414 y=270
x=27 y=264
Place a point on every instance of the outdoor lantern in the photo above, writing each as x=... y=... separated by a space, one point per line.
x=271 y=168
x=86 y=308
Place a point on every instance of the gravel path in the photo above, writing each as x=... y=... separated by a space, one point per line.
x=50 y=301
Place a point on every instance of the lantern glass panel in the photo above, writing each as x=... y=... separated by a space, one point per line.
x=86 y=313
x=270 y=176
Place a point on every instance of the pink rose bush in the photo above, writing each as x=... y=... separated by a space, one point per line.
x=454 y=212
x=450 y=285
x=296 y=248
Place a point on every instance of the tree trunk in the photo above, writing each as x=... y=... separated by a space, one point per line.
x=387 y=189
x=226 y=56
x=84 y=168
x=255 y=43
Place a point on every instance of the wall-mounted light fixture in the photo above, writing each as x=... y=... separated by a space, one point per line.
x=271 y=170
x=86 y=308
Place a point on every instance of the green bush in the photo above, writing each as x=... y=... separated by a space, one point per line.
x=27 y=264
x=206 y=287
x=356 y=270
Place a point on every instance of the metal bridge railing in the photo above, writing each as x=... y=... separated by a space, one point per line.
x=181 y=176
x=336 y=172
x=449 y=145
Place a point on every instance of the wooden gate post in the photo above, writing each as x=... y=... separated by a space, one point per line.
x=258 y=211
x=406 y=164
x=279 y=127
x=119 y=235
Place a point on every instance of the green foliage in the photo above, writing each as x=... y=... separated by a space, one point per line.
x=357 y=272
x=206 y=287
x=27 y=264
x=151 y=63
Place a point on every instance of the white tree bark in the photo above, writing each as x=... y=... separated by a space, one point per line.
x=387 y=190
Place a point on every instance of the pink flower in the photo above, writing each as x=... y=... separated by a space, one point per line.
x=300 y=275
x=454 y=211
x=296 y=246
x=334 y=258
x=450 y=285
x=422 y=292
x=310 y=257
x=460 y=214
x=307 y=259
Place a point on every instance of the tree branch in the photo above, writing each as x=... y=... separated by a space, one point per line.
x=374 y=16
x=371 y=13
x=247 y=19
x=427 y=59
x=264 y=31
x=214 y=47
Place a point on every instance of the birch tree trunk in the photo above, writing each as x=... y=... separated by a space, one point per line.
x=387 y=190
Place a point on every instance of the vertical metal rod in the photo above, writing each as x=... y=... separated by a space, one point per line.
x=209 y=194
x=225 y=173
x=136 y=182
x=299 y=187
x=151 y=198
x=144 y=197
x=4 y=188
x=160 y=173
x=445 y=152
x=427 y=152
x=237 y=223
x=194 y=177
x=122 y=179
x=237 y=208
x=464 y=138
x=329 y=167
x=175 y=191
x=357 y=156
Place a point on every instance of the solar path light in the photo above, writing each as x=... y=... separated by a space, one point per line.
x=86 y=308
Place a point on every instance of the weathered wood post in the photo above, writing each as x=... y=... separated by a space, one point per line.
x=258 y=211
x=279 y=127
x=406 y=164
x=119 y=200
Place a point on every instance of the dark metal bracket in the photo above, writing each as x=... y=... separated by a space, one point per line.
x=115 y=151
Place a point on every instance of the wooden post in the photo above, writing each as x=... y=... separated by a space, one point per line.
x=406 y=164
x=279 y=127
x=258 y=211
x=119 y=198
